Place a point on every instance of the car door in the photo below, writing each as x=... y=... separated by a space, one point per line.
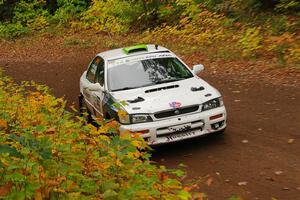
x=94 y=74
x=99 y=94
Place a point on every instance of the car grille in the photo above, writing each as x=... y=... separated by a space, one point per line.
x=177 y=111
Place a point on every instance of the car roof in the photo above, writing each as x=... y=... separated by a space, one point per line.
x=120 y=53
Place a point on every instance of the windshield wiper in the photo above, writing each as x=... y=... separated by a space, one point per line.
x=124 y=88
x=168 y=80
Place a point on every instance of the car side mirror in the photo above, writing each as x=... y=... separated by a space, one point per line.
x=95 y=87
x=198 y=68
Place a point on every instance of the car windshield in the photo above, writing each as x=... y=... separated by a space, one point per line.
x=141 y=73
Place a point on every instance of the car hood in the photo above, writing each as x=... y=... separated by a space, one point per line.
x=166 y=96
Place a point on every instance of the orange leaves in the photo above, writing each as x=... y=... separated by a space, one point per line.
x=50 y=130
x=38 y=195
x=126 y=134
x=5 y=189
x=113 y=124
x=191 y=187
x=286 y=45
x=123 y=115
x=138 y=143
x=55 y=182
x=55 y=152
x=51 y=154
x=119 y=163
x=285 y=37
x=162 y=176
x=135 y=154
x=3 y=124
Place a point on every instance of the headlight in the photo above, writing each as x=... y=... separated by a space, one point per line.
x=124 y=118
x=211 y=104
x=134 y=118
x=139 y=118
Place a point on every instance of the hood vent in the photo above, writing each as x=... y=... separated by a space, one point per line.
x=162 y=88
x=197 y=88
x=138 y=99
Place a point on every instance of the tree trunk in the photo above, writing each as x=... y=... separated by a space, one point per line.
x=52 y=6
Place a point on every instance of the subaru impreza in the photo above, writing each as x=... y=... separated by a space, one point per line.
x=159 y=95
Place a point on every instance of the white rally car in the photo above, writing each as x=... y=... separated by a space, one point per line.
x=161 y=97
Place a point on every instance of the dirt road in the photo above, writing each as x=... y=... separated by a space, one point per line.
x=258 y=156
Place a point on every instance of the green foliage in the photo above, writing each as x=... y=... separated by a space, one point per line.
x=116 y=16
x=288 y=6
x=27 y=16
x=286 y=47
x=279 y=25
x=46 y=154
x=68 y=11
x=31 y=14
x=227 y=27
x=251 y=41
x=190 y=8
x=13 y=30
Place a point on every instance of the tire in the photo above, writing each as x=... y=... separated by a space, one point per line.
x=84 y=111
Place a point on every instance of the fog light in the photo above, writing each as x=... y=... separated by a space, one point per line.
x=217 y=125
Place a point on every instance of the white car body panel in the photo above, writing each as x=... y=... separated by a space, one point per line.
x=159 y=100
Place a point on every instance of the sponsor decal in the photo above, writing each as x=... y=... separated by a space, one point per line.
x=105 y=98
x=98 y=102
x=175 y=104
x=121 y=61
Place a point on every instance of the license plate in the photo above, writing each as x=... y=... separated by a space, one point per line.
x=180 y=136
x=179 y=128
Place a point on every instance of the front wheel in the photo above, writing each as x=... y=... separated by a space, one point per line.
x=84 y=111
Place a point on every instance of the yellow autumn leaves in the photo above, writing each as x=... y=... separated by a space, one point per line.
x=47 y=153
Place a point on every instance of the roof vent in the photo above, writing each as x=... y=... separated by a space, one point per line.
x=136 y=48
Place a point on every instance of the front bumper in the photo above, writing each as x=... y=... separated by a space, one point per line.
x=180 y=127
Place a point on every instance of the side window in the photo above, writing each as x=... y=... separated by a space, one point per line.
x=91 y=73
x=100 y=73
